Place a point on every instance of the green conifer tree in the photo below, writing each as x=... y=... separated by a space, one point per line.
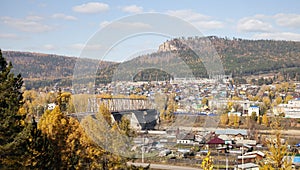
x=11 y=121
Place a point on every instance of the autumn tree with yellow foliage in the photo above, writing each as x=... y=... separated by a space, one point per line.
x=288 y=98
x=73 y=147
x=57 y=141
x=224 y=119
x=277 y=155
x=171 y=107
x=111 y=136
x=265 y=120
x=236 y=122
x=207 y=162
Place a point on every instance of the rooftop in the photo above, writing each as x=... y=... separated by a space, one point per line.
x=255 y=152
x=231 y=132
x=247 y=165
x=216 y=140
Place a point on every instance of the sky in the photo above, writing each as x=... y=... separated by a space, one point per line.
x=67 y=27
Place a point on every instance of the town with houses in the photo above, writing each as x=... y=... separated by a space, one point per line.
x=236 y=145
x=140 y=85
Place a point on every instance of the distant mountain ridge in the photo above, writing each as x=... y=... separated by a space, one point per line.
x=40 y=66
x=40 y=70
x=245 y=57
x=239 y=57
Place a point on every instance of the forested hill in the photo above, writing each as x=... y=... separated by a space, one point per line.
x=39 y=65
x=246 y=57
x=239 y=57
x=40 y=70
x=257 y=56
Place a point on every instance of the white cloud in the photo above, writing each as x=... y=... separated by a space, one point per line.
x=132 y=9
x=50 y=47
x=199 y=20
x=34 y=18
x=8 y=36
x=288 y=20
x=80 y=46
x=91 y=7
x=268 y=23
x=278 y=36
x=125 y=25
x=261 y=16
x=26 y=25
x=188 y=15
x=129 y=25
x=253 y=25
x=207 y=25
x=63 y=16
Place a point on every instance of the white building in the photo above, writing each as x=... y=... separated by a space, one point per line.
x=252 y=109
x=291 y=109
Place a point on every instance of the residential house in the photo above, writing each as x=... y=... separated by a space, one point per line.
x=215 y=142
x=246 y=159
x=187 y=139
x=258 y=154
x=234 y=134
x=239 y=136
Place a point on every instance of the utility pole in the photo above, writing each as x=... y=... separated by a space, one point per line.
x=143 y=147
x=243 y=157
x=226 y=151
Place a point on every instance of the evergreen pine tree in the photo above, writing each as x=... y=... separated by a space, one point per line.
x=22 y=145
x=11 y=121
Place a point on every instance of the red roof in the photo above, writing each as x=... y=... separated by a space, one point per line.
x=216 y=141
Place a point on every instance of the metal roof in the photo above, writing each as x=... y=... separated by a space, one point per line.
x=247 y=165
x=231 y=132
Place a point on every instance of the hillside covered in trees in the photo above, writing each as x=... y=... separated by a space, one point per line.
x=245 y=57
x=239 y=58
x=40 y=70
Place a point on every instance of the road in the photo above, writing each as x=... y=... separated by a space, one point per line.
x=292 y=132
x=163 y=166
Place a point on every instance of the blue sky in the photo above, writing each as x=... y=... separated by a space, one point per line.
x=65 y=27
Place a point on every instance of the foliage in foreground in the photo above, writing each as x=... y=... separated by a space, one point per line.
x=57 y=141
x=276 y=157
x=207 y=163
